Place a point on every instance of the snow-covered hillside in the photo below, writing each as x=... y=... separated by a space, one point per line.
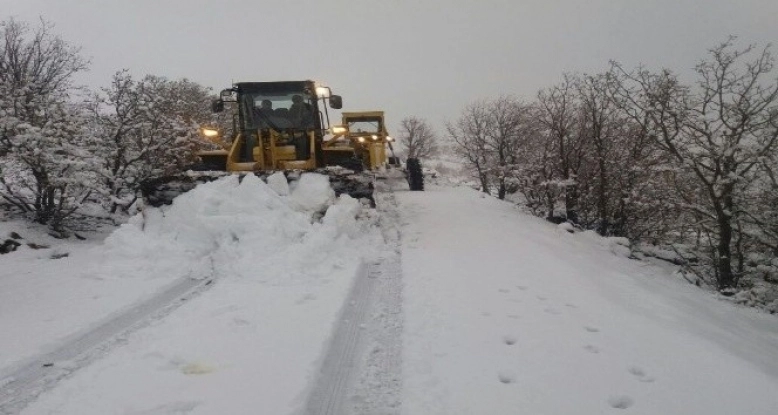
x=248 y=298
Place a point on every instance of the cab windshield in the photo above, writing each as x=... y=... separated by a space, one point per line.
x=365 y=125
x=282 y=110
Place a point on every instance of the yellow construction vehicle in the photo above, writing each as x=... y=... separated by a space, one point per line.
x=276 y=125
x=360 y=142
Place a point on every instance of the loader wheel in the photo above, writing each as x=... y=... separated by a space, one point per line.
x=354 y=164
x=415 y=175
x=210 y=163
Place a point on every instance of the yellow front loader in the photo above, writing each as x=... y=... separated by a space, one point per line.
x=277 y=126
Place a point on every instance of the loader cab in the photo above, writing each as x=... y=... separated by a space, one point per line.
x=280 y=124
x=279 y=105
x=287 y=110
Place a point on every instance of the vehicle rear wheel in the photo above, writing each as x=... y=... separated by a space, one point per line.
x=415 y=174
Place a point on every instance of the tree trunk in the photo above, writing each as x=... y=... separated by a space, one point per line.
x=724 y=261
x=620 y=219
x=550 y=204
x=603 y=227
x=571 y=203
x=726 y=279
x=501 y=190
x=484 y=183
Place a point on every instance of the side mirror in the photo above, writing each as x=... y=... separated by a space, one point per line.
x=336 y=102
x=217 y=105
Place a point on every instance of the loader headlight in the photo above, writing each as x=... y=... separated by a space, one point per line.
x=323 y=91
x=338 y=129
x=375 y=137
x=210 y=132
x=361 y=139
x=389 y=138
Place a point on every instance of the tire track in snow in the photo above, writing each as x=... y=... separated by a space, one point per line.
x=360 y=372
x=23 y=384
x=339 y=364
x=378 y=391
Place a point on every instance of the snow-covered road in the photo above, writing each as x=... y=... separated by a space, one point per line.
x=437 y=302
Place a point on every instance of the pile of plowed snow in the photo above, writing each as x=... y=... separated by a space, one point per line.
x=234 y=226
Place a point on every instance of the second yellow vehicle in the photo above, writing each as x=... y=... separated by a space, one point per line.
x=360 y=142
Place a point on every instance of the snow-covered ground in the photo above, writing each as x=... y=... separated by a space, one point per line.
x=499 y=313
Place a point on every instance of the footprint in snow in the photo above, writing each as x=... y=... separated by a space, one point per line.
x=240 y=321
x=197 y=368
x=504 y=290
x=640 y=374
x=306 y=298
x=541 y=298
x=570 y=305
x=522 y=287
x=509 y=340
x=591 y=329
x=551 y=310
x=224 y=310
x=620 y=401
x=182 y=407
x=506 y=377
x=592 y=349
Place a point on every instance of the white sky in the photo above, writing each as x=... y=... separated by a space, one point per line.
x=423 y=58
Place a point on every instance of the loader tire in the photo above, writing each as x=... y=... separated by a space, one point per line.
x=415 y=174
x=354 y=164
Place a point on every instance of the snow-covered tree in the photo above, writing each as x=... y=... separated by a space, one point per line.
x=145 y=129
x=490 y=136
x=720 y=133
x=43 y=168
x=559 y=113
x=469 y=133
x=417 y=138
x=506 y=130
x=535 y=173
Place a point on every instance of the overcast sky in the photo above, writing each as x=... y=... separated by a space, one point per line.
x=427 y=58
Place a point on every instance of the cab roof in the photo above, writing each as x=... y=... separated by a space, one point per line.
x=362 y=114
x=280 y=86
